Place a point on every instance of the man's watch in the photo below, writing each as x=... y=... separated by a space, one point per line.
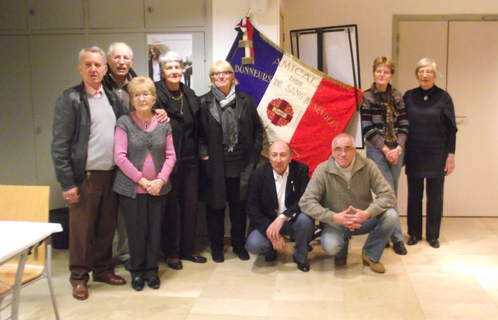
x=283 y=217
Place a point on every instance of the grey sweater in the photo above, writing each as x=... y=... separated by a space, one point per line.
x=139 y=144
x=328 y=191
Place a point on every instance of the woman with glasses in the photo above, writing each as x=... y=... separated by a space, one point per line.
x=385 y=128
x=233 y=140
x=430 y=151
x=145 y=156
x=180 y=104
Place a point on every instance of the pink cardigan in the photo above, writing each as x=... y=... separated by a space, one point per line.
x=148 y=170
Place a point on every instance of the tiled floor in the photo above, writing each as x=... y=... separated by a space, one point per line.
x=457 y=281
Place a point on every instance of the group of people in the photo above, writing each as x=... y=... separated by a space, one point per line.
x=417 y=129
x=134 y=156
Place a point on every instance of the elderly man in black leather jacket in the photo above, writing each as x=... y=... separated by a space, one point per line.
x=82 y=152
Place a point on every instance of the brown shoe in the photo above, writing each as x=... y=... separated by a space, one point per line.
x=80 y=292
x=340 y=262
x=376 y=267
x=110 y=278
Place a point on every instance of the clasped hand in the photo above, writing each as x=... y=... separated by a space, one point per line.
x=351 y=218
x=391 y=155
x=152 y=187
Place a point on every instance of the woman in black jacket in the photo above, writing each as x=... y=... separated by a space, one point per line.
x=430 y=151
x=182 y=108
x=233 y=141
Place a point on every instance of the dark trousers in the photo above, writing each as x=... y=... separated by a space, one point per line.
x=143 y=224
x=92 y=223
x=434 y=209
x=215 y=218
x=183 y=196
x=300 y=228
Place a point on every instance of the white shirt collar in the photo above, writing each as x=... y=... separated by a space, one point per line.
x=285 y=175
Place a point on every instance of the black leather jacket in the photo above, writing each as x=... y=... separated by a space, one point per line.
x=71 y=132
x=108 y=82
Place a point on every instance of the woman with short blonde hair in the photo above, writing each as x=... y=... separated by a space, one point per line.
x=385 y=129
x=233 y=141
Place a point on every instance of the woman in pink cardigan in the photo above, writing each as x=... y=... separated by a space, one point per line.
x=145 y=156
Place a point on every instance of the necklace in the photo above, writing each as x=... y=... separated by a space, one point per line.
x=181 y=101
x=146 y=122
x=426 y=97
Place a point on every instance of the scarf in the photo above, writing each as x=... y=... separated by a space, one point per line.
x=387 y=103
x=229 y=124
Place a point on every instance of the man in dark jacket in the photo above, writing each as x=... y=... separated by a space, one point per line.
x=82 y=152
x=273 y=206
x=119 y=73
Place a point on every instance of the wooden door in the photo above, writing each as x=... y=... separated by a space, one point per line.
x=473 y=85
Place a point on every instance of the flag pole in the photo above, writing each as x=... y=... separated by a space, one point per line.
x=354 y=73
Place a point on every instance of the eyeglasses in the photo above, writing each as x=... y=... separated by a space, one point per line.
x=126 y=59
x=142 y=94
x=424 y=72
x=346 y=150
x=219 y=73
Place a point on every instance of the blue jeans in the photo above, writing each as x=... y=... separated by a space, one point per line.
x=391 y=174
x=301 y=229
x=335 y=238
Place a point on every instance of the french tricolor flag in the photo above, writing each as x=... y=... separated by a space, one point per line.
x=296 y=102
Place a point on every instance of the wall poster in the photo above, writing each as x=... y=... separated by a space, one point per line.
x=180 y=43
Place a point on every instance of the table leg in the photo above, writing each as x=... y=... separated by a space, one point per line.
x=16 y=289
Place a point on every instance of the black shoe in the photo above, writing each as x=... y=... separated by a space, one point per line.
x=413 y=240
x=304 y=267
x=387 y=245
x=174 y=263
x=154 y=282
x=137 y=283
x=399 y=248
x=434 y=243
x=217 y=256
x=197 y=258
x=271 y=256
x=242 y=254
x=340 y=262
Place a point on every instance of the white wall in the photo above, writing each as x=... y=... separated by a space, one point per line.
x=227 y=13
x=375 y=33
x=374 y=20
